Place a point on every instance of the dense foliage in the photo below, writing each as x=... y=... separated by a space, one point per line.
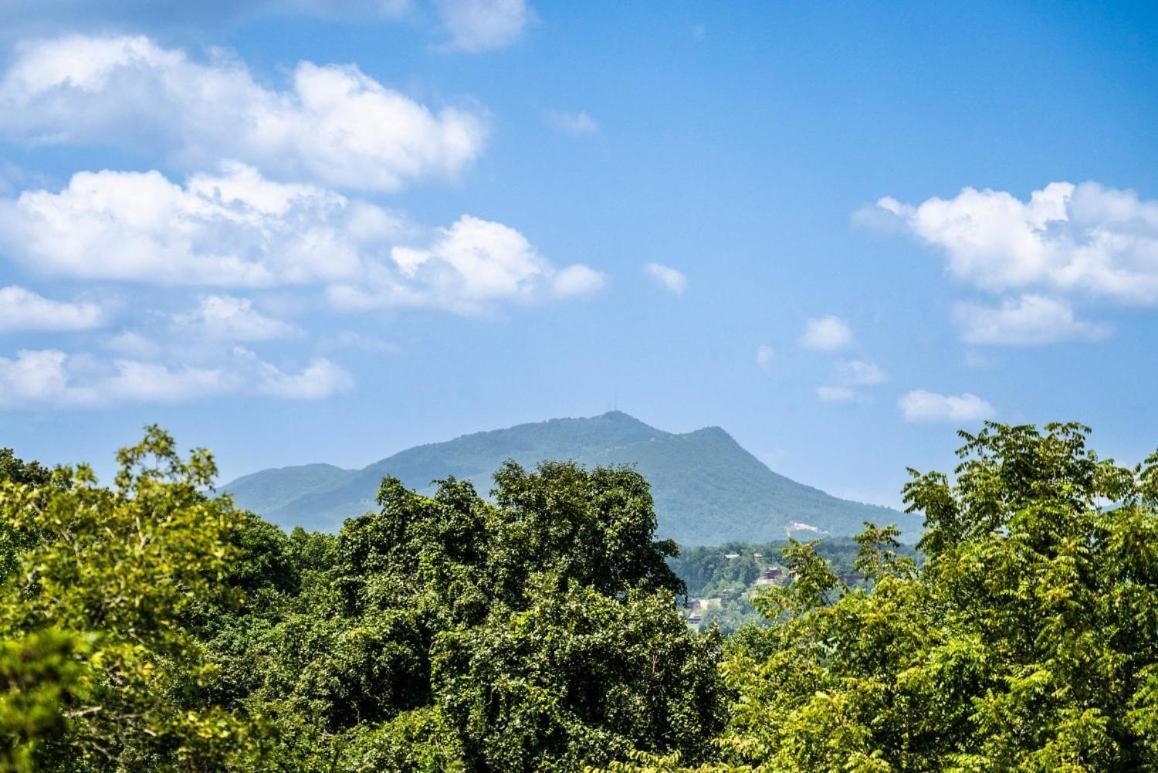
x=151 y=625
x=723 y=580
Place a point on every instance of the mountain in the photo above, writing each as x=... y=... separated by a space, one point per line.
x=707 y=489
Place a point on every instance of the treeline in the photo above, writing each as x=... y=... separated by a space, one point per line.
x=151 y=625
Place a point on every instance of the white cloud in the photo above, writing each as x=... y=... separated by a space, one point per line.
x=826 y=334
x=1066 y=238
x=334 y=124
x=483 y=25
x=152 y=382
x=575 y=281
x=668 y=278
x=238 y=229
x=320 y=378
x=765 y=357
x=1025 y=321
x=920 y=405
x=859 y=373
x=576 y=124
x=22 y=309
x=831 y=394
x=467 y=268
x=53 y=378
x=850 y=374
x=37 y=376
x=231 y=318
x=233 y=229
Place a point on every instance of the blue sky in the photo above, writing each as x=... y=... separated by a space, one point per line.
x=295 y=231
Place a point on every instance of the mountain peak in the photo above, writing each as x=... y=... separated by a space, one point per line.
x=707 y=488
x=617 y=416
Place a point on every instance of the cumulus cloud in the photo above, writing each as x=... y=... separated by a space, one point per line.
x=826 y=333
x=238 y=229
x=1083 y=238
x=765 y=357
x=668 y=278
x=921 y=406
x=483 y=25
x=22 y=309
x=466 y=268
x=333 y=124
x=235 y=228
x=230 y=318
x=52 y=378
x=36 y=376
x=1025 y=321
x=576 y=124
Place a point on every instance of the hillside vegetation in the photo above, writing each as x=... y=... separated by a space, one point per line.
x=152 y=625
x=706 y=488
x=722 y=581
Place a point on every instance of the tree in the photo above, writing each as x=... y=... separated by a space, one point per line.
x=578 y=678
x=96 y=618
x=1026 y=640
x=433 y=604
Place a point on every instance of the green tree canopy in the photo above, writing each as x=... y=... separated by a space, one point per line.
x=1026 y=640
x=98 y=652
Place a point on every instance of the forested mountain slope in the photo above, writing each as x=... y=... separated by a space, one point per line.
x=707 y=488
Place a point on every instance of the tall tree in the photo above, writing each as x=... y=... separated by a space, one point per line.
x=96 y=618
x=1027 y=639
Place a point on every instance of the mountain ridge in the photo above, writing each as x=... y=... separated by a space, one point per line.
x=707 y=488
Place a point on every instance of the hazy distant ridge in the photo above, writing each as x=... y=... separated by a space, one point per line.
x=707 y=488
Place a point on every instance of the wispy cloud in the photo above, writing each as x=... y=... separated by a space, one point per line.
x=860 y=373
x=1025 y=321
x=483 y=25
x=827 y=333
x=922 y=406
x=851 y=376
x=667 y=277
x=23 y=310
x=234 y=319
x=831 y=394
x=576 y=124
x=765 y=357
x=50 y=377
